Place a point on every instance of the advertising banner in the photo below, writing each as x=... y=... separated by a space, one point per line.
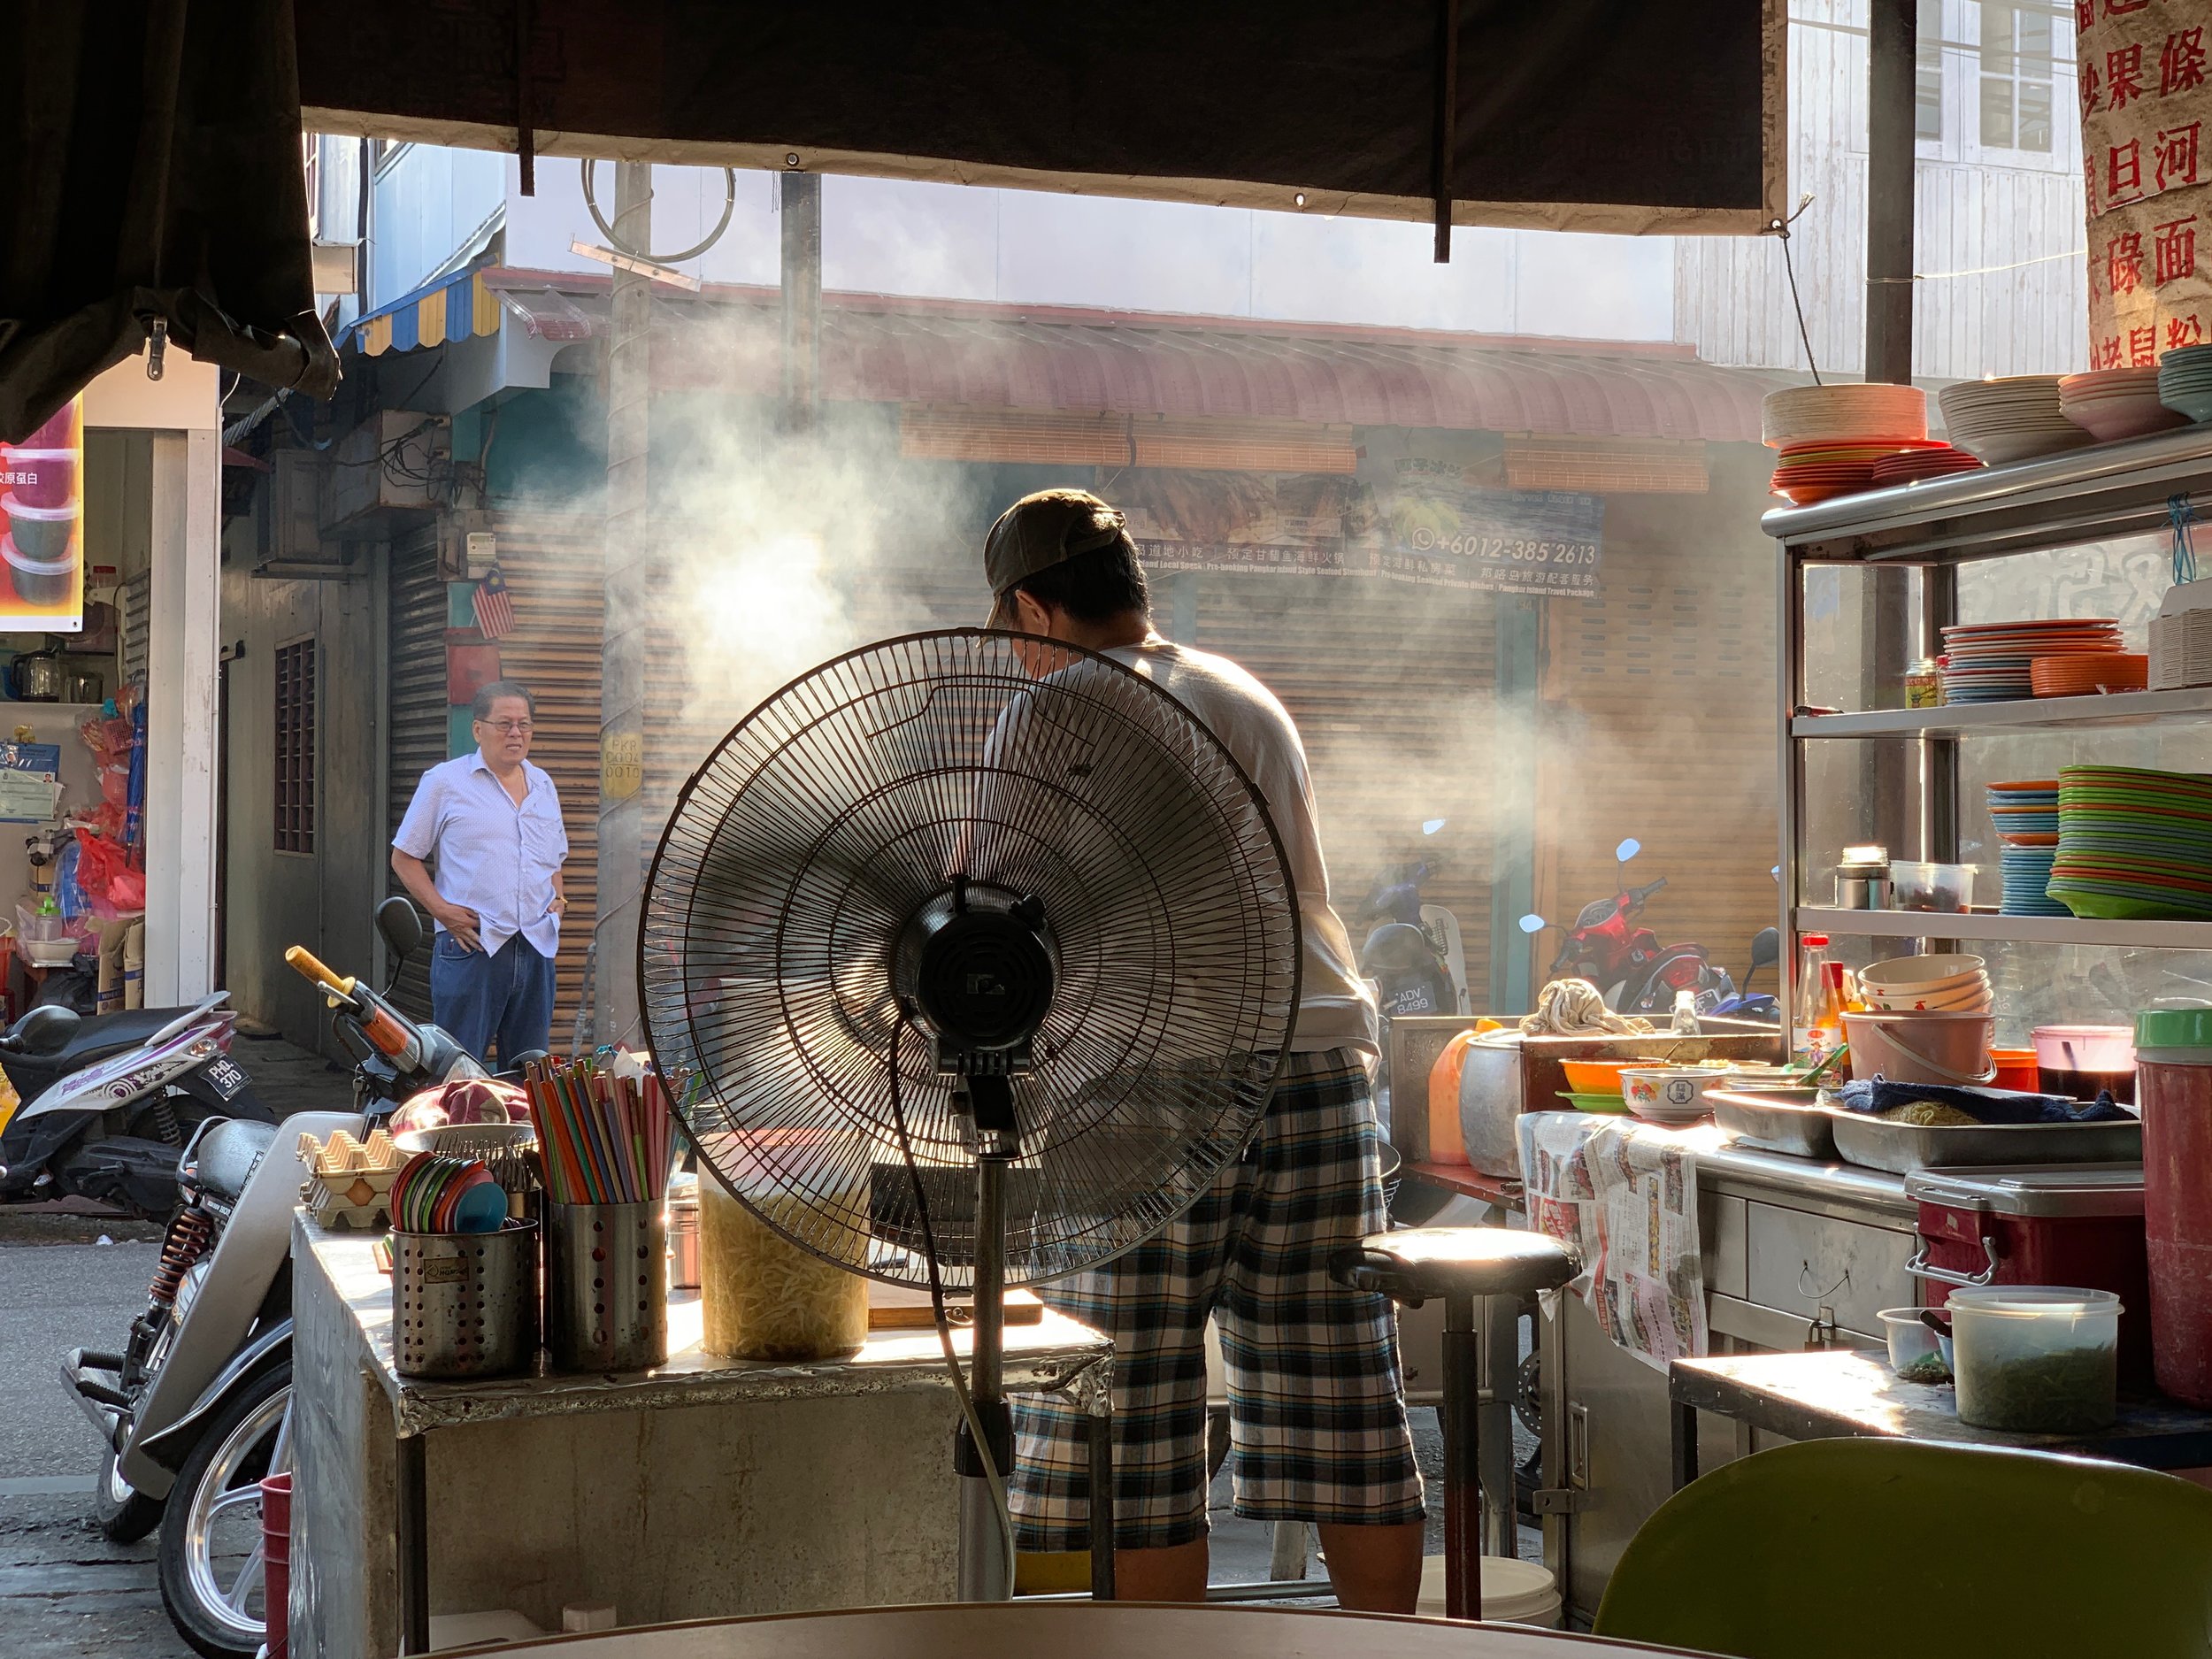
x=1427 y=527
x=41 y=527
x=2144 y=102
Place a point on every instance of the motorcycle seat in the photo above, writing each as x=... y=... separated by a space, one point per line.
x=227 y=1155
x=95 y=1038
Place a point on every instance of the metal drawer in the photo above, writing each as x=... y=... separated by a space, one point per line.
x=1800 y=1262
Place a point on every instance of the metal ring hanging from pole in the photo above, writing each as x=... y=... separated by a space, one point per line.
x=729 y=206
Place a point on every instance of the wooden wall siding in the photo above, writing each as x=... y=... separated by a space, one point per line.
x=553 y=566
x=1658 y=723
x=1976 y=209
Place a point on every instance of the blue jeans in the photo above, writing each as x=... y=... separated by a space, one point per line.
x=507 y=995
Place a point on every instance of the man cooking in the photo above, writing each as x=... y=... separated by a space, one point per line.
x=1318 y=1406
x=491 y=822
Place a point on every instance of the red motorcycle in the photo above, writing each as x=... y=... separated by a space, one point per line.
x=1626 y=961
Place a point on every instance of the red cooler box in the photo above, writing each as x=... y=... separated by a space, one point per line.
x=2064 y=1224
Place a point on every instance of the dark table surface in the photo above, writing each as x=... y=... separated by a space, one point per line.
x=1833 y=1393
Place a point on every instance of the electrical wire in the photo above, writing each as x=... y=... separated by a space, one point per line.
x=1781 y=228
x=991 y=1475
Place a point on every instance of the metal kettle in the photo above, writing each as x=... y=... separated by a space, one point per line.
x=36 y=676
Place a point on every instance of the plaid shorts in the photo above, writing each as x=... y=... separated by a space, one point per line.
x=1316 y=1400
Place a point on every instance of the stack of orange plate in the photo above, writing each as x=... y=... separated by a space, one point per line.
x=2082 y=674
x=1909 y=466
x=1821 y=468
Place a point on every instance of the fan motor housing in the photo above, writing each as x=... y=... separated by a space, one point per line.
x=978 y=968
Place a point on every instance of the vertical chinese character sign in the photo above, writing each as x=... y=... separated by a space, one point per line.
x=2144 y=104
x=41 y=527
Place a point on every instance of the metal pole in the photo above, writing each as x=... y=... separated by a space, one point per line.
x=1463 y=1461
x=800 y=196
x=984 y=1569
x=1891 y=776
x=624 y=642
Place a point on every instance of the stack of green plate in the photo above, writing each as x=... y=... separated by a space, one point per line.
x=1583 y=1102
x=2133 y=845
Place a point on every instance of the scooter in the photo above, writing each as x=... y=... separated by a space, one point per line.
x=1763 y=1006
x=1414 y=952
x=112 y=1099
x=1628 y=964
x=195 y=1409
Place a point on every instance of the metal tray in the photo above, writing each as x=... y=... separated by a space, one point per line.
x=1789 y=1120
x=1905 y=1148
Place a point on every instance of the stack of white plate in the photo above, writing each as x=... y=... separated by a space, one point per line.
x=1871 y=414
x=2113 y=404
x=2010 y=419
x=1926 y=985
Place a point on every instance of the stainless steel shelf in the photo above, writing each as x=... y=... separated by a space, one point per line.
x=2120 y=707
x=2099 y=492
x=2042 y=930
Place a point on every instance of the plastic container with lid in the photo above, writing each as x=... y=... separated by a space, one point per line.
x=2059 y=1224
x=2173 y=1092
x=2036 y=1359
x=2081 y=1062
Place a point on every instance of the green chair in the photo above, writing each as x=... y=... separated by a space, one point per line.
x=1847 y=1548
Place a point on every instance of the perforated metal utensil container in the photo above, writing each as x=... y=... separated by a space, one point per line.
x=606 y=1292
x=464 y=1304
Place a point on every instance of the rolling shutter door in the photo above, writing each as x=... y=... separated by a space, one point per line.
x=417 y=714
x=1393 y=688
x=553 y=566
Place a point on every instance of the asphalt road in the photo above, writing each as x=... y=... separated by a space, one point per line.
x=65 y=1593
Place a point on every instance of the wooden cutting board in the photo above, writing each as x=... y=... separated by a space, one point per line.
x=906 y=1307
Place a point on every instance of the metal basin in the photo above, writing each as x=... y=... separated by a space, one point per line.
x=1788 y=1120
x=1903 y=1148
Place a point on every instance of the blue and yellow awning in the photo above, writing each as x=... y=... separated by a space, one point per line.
x=457 y=307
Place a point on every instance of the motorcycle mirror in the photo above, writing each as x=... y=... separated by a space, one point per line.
x=1766 y=947
x=1628 y=849
x=1430 y=826
x=1532 y=924
x=397 y=921
x=44 y=1030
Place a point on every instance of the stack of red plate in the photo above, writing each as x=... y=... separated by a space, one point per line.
x=1993 y=662
x=2084 y=673
x=1909 y=465
x=1820 y=468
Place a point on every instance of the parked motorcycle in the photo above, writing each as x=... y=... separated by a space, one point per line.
x=1628 y=964
x=111 y=1101
x=1413 y=952
x=1763 y=1006
x=196 y=1407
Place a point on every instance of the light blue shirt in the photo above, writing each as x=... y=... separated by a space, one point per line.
x=495 y=857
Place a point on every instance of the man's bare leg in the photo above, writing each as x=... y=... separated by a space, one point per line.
x=1375 y=1568
x=1174 y=1573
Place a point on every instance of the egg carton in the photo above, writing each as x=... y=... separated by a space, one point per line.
x=349 y=1182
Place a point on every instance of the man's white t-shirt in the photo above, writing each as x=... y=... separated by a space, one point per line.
x=1335 y=1009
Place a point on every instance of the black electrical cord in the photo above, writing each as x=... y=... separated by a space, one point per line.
x=992 y=1475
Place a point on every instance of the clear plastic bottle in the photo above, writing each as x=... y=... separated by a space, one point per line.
x=1685 y=1014
x=1812 y=976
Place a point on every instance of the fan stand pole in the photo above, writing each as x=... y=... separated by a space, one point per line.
x=984 y=1575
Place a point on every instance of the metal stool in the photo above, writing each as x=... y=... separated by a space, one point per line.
x=1459 y=1264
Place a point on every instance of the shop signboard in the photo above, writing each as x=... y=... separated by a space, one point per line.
x=1427 y=526
x=41 y=527
x=2142 y=74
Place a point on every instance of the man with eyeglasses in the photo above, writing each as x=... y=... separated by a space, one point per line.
x=492 y=823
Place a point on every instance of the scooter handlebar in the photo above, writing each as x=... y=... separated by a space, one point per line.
x=304 y=961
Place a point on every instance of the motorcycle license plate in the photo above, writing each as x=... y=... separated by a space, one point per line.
x=226 y=1077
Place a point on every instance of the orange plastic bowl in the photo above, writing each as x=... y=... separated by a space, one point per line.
x=1597 y=1077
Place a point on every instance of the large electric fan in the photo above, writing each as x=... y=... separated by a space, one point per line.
x=987 y=952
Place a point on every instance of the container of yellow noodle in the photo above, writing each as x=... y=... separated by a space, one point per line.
x=762 y=1296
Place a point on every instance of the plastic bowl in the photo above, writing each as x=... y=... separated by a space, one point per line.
x=1909 y=1338
x=42 y=534
x=1595 y=1077
x=37 y=582
x=1923 y=972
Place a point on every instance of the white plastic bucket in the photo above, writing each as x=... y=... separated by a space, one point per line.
x=1951 y=1048
x=1513 y=1592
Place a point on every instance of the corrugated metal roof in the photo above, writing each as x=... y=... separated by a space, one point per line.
x=1058 y=359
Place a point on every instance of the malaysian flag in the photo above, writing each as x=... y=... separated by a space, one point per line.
x=494 y=611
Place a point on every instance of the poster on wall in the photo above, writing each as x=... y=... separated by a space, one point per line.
x=1428 y=527
x=2144 y=102
x=41 y=527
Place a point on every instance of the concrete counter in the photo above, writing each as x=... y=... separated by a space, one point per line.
x=703 y=1489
